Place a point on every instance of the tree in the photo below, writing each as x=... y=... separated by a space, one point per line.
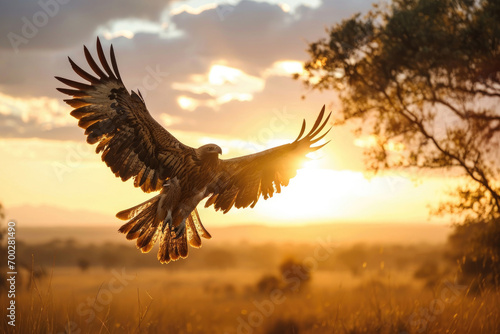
x=423 y=78
x=83 y=264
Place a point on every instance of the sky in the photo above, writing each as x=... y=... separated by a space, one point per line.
x=211 y=72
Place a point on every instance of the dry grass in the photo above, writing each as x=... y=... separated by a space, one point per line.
x=225 y=301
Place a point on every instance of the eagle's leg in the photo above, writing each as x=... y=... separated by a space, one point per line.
x=167 y=222
x=180 y=229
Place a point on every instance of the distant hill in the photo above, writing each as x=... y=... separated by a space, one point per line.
x=48 y=215
x=339 y=233
x=40 y=224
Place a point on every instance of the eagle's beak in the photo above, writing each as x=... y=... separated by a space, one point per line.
x=219 y=150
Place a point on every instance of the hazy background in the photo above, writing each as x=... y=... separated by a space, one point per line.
x=210 y=72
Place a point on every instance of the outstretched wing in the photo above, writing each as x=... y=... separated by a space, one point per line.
x=243 y=180
x=132 y=143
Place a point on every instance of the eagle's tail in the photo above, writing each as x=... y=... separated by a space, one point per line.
x=143 y=223
x=173 y=247
x=153 y=219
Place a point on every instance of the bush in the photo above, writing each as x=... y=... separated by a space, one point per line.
x=268 y=283
x=283 y=326
x=294 y=274
x=475 y=247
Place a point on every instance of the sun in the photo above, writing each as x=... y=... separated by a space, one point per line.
x=311 y=195
x=319 y=194
x=303 y=200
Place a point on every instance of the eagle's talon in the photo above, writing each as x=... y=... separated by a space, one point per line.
x=165 y=225
x=179 y=230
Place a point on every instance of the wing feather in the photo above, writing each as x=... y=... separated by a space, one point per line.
x=74 y=84
x=104 y=62
x=243 y=180
x=130 y=141
x=93 y=65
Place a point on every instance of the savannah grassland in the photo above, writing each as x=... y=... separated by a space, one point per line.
x=246 y=287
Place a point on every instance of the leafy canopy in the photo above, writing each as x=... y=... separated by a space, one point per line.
x=423 y=78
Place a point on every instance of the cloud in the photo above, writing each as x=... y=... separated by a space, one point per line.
x=223 y=84
x=284 y=68
x=192 y=10
x=14 y=127
x=49 y=24
x=228 y=70
x=46 y=112
x=35 y=117
x=256 y=34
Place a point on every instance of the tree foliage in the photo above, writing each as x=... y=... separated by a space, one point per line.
x=423 y=78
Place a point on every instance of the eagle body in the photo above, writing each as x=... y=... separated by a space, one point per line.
x=134 y=146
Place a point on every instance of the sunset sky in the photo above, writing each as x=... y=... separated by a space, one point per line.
x=210 y=71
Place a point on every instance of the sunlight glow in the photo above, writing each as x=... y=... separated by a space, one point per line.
x=314 y=160
x=169 y=120
x=192 y=10
x=284 y=7
x=129 y=27
x=284 y=68
x=373 y=140
x=120 y=33
x=238 y=97
x=223 y=84
x=220 y=75
x=317 y=194
x=186 y=103
x=366 y=142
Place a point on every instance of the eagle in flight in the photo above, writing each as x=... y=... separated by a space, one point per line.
x=135 y=146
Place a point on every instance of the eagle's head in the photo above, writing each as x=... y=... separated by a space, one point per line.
x=208 y=152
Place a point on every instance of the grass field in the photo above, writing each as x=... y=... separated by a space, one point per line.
x=156 y=300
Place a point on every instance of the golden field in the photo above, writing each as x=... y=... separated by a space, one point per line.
x=265 y=288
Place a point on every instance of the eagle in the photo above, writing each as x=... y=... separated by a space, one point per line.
x=137 y=147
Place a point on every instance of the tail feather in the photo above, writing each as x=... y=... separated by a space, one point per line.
x=132 y=224
x=199 y=226
x=178 y=247
x=135 y=210
x=163 y=253
x=142 y=223
x=193 y=236
x=153 y=220
x=143 y=219
x=147 y=239
x=182 y=246
x=195 y=228
x=172 y=248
